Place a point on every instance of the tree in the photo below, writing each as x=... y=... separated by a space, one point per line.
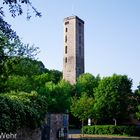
x=112 y=97
x=25 y=74
x=10 y=52
x=39 y=82
x=10 y=48
x=55 y=76
x=4 y=43
x=87 y=83
x=4 y=47
x=5 y=28
x=15 y=8
x=137 y=102
x=83 y=107
x=138 y=113
x=58 y=96
x=24 y=66
x=21 y=110
x=18 y=83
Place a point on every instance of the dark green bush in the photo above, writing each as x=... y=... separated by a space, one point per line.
x=20 y=109
x=112 y=130
x=137 y=131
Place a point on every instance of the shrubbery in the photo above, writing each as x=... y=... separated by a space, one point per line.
x=111 y=130
x=20 y=109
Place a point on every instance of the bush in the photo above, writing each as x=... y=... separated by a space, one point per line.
x=112 y=130
x=20 y=109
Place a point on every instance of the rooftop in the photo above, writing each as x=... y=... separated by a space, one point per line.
x=73 y=17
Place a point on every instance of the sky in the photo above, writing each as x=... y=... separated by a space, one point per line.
x=112 y=34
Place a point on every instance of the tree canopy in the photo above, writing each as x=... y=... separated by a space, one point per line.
x=87 y=83
x=112 y=97
x=82 y=107
x=16 y=8
x=137 y=102
x=12 y=50
x=59 y=96
x=20 y=109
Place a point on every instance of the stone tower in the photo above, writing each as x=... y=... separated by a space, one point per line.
x=73 y=61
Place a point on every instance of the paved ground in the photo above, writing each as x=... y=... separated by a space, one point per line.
x=76 y=135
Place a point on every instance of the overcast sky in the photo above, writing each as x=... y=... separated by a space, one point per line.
x=112 y=34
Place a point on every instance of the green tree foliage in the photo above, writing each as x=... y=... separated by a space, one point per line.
x=4 y=44
x=18 y=83
x=138 y=113
x=87 y=83
x=10 y=44
x=39 y=81
x=55 y=76
x=20 y=109
x=5 y=28
x=19 y=74
x=112 y=97
x=25 y=74
x=11 y=48
x=24 y=66
x=58 y=96
x=82 y=107
x=137 y=102
x=15 y=47
x=12 y=58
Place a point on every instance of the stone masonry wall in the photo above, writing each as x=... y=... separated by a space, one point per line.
x=29 y=134
x=56 y=123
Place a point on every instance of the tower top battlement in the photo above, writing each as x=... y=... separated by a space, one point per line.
x=73 y=17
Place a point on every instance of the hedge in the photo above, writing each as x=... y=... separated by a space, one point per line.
x=112 y=130
x=20 y=109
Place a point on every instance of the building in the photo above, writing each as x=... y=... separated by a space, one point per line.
x=73 y=61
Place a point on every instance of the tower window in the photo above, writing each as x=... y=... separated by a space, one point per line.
x=80 y=40
x=66 y=29
x=66 y=22
x=79 y=24
x=79 y=50
x=79 y=71
x=66 y=49
x=66 y=60
x=65 y=38
x=80 y=28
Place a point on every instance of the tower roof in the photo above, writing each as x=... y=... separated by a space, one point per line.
x=73 y=17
